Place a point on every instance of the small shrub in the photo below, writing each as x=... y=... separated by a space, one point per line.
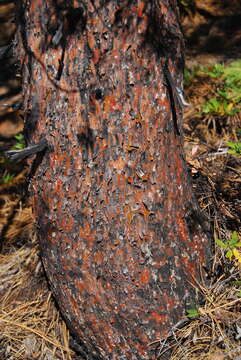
x=233 y=247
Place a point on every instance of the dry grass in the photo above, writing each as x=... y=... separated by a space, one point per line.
x=215 y=334
x=16 y=220
x=31 y=326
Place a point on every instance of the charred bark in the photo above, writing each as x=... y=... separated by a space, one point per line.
x=119 y=230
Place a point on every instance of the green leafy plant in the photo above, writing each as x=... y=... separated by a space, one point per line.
x=188 y=77
x=235 y=148
x=7 y=178
x=192 y=312
x=191 y=74
x=231 y=76
x=226 y=83
x=216 y=106
x=233 y=246
x=20 y=142
x=232 y=72
x=216 y=71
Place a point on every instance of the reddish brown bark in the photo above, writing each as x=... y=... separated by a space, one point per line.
x=118 y=227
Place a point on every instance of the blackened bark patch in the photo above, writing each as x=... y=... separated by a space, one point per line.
x=76 y=20
x=99 y=94
x=32 y=116
x=86 y=139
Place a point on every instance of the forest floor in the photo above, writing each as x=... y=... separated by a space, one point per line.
x=30 y=324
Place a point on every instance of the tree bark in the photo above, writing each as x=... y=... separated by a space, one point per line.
x=119 y=231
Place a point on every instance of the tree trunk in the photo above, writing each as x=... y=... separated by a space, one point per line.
x=119 y=230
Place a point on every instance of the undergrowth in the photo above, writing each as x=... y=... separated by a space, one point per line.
x=31 y=326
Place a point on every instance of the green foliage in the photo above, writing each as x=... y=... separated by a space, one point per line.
x=7 y=178
x=227 y=80
x=220 y=107
x=232 y=82
x=7 y=175
x=188 y=77
x=236 y=283
x=20 y=142
x=216 y=71
x=232 y=72
x=191 y=74
x=192 y=312
x=228 y=89
x=232 y=246
x=235 y=148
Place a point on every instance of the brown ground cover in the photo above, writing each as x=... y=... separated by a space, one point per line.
x=30 y=324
